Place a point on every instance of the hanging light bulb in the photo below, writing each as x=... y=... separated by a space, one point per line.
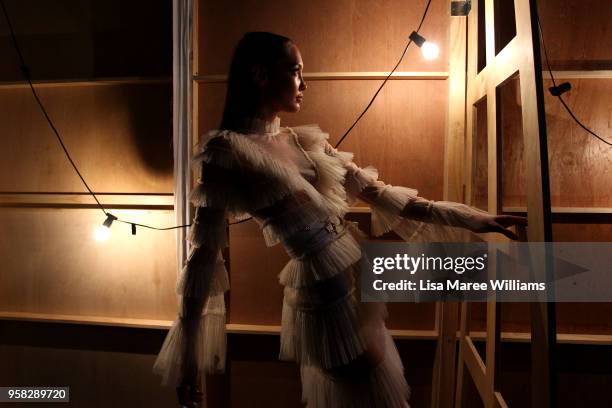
x=430 y=50
x=103 y=231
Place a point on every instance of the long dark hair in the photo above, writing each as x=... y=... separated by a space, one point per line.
x=255 y=47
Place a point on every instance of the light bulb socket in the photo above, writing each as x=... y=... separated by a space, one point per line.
x=133 y=229
x=560 y=89
x=418 y=39
x=461 y=8
x=109 y=220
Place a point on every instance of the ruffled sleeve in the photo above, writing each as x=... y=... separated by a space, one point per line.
x=402 y=210
x=196 y=342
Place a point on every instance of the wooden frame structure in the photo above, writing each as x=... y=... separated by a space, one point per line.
x=521 y=57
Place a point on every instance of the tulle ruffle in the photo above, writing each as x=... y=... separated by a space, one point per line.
x=328 y=336
x=207 y=332
x=196 y=341
x=446 y=221
x=209 y=228
x=323 y=264
x=330 y=169
x=384 y=386
x=284 y=180
x=203 y=277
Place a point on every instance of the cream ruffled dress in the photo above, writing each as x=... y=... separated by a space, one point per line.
x=298 y=188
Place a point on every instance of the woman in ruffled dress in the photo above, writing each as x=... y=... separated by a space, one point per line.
x=298 y=188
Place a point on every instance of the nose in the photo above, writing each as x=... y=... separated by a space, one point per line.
x=303 y=85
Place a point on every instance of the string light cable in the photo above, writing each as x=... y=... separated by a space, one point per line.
x=420 y=41
x=558 y=90
x=25 y=70
x=110 y=218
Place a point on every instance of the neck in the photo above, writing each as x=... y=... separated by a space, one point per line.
x=258 y=124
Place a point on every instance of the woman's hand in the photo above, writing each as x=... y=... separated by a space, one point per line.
x=498 y=223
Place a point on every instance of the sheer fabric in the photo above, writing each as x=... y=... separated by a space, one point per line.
x=298 y=188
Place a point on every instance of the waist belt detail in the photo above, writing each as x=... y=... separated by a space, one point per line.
x=313 y=238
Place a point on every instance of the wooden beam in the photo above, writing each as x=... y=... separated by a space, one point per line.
x=324 y=76
x=85 y=200
x=602 y=74
x=476 y=367
x=56 y=83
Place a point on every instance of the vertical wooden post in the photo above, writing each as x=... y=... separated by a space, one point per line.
x=443 y=381
x=521 y=55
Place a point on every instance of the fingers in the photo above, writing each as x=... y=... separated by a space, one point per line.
x=498 y=228
x=509 y=220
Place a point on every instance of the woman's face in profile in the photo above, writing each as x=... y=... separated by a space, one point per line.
x=283 y=89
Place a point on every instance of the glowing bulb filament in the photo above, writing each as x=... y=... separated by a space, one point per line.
x=430 y=50
x=102 y=233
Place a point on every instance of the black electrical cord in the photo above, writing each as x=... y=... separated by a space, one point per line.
x=567 y=108
x=388 y=76
x=374 y=97
x=26 y=73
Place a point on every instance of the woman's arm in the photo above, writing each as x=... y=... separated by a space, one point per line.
x=393 y=205
x=460 y=215
x=196 y=342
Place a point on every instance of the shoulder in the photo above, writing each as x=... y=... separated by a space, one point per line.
x=215 y=149
x=214 y=141
x=311 y=136
x=314 y=140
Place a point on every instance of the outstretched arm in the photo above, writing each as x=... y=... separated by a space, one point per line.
x=394 y=207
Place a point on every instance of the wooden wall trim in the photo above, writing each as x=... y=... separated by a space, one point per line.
x=322 y=76
x=90 y=320
x=84 y=200
x=565 y=210
x=443 y=75
x=578 y=74
x=87 y=82
x=567 y=338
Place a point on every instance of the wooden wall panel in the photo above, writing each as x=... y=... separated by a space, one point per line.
x=88 y=38
x=583 y=232
x=402 y=134
x=119 y=136
x=347 y=35
x=480 y=158
x=103 y=366
x=572 y=318
x=579 y=163
x=513 y=175
x=575 y=33
x=51 y=264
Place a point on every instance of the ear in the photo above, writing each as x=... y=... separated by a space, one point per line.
x=259 y=74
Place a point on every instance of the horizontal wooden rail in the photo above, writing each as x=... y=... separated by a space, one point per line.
x=162 y=201
x=241 y=328
x=51 y=83
x=320 y=76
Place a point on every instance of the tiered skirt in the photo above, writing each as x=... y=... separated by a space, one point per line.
x=346 y=355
